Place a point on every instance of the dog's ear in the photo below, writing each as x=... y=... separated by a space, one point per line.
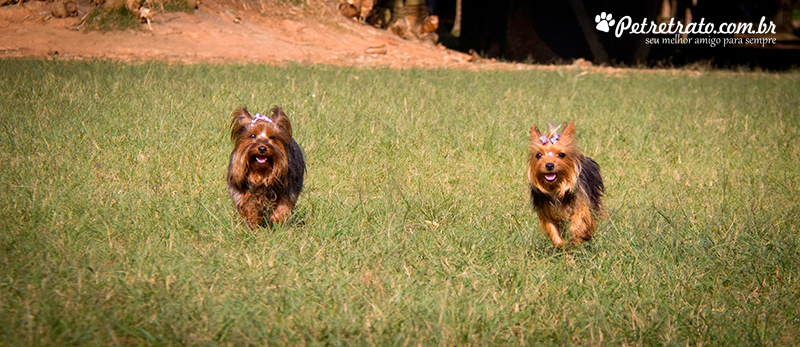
x=535 y=133
x=237 y=170
x=241 y=118
x=569 y=131
x=281 y=120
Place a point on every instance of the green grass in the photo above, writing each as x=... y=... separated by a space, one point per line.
x=176 y=5
x=117 y=227
x=119 y=18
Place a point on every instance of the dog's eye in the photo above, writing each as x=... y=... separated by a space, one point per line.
x=538 y=155
x=561 y=155
x=252 y=136
x=272 y=137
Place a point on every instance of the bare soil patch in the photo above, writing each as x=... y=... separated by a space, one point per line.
x=222 y=31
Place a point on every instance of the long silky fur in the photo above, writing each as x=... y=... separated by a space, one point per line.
x=580 y=185
x=591 y=184
x=285 y=179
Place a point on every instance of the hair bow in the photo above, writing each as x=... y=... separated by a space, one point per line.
x=260 y=116
x=552 y=140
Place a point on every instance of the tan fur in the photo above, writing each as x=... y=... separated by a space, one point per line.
x=266 y=167
x=563 y=199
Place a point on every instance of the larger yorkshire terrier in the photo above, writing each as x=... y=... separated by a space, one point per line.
x=265 y=173
x=565 y=185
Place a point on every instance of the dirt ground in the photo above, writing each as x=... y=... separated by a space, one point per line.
x=224 y=31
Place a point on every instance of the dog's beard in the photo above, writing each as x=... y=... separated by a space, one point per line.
x=261 y=171
x=557 y=182
x=266 y=169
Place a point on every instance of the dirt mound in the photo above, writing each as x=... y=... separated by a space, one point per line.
x=222 y=31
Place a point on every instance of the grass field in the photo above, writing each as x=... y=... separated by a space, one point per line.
x=414 y=226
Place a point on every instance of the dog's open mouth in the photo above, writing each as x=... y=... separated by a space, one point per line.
x=261 y=160
x=550 y=177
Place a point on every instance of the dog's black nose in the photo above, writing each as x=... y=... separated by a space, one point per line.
x=262 y=149
x=549 y=166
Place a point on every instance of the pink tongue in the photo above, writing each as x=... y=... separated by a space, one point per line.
x=261 y=160
x=550 y=177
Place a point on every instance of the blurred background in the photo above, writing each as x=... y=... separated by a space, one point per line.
x=525 y=31
x=537 y=31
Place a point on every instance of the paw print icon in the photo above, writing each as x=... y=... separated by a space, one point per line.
x=604 y=21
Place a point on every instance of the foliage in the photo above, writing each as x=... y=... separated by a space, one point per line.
x=119 y=18
x=173 y=5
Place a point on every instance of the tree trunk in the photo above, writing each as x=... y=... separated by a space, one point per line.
x=456 y=32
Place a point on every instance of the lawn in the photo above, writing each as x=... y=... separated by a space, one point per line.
x=414 y=226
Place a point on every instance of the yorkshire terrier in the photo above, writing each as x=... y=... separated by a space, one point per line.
x=265 y=173
x=565 y=185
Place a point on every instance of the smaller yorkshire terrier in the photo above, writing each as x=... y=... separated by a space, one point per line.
x=265 y=173
x=565 y=185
